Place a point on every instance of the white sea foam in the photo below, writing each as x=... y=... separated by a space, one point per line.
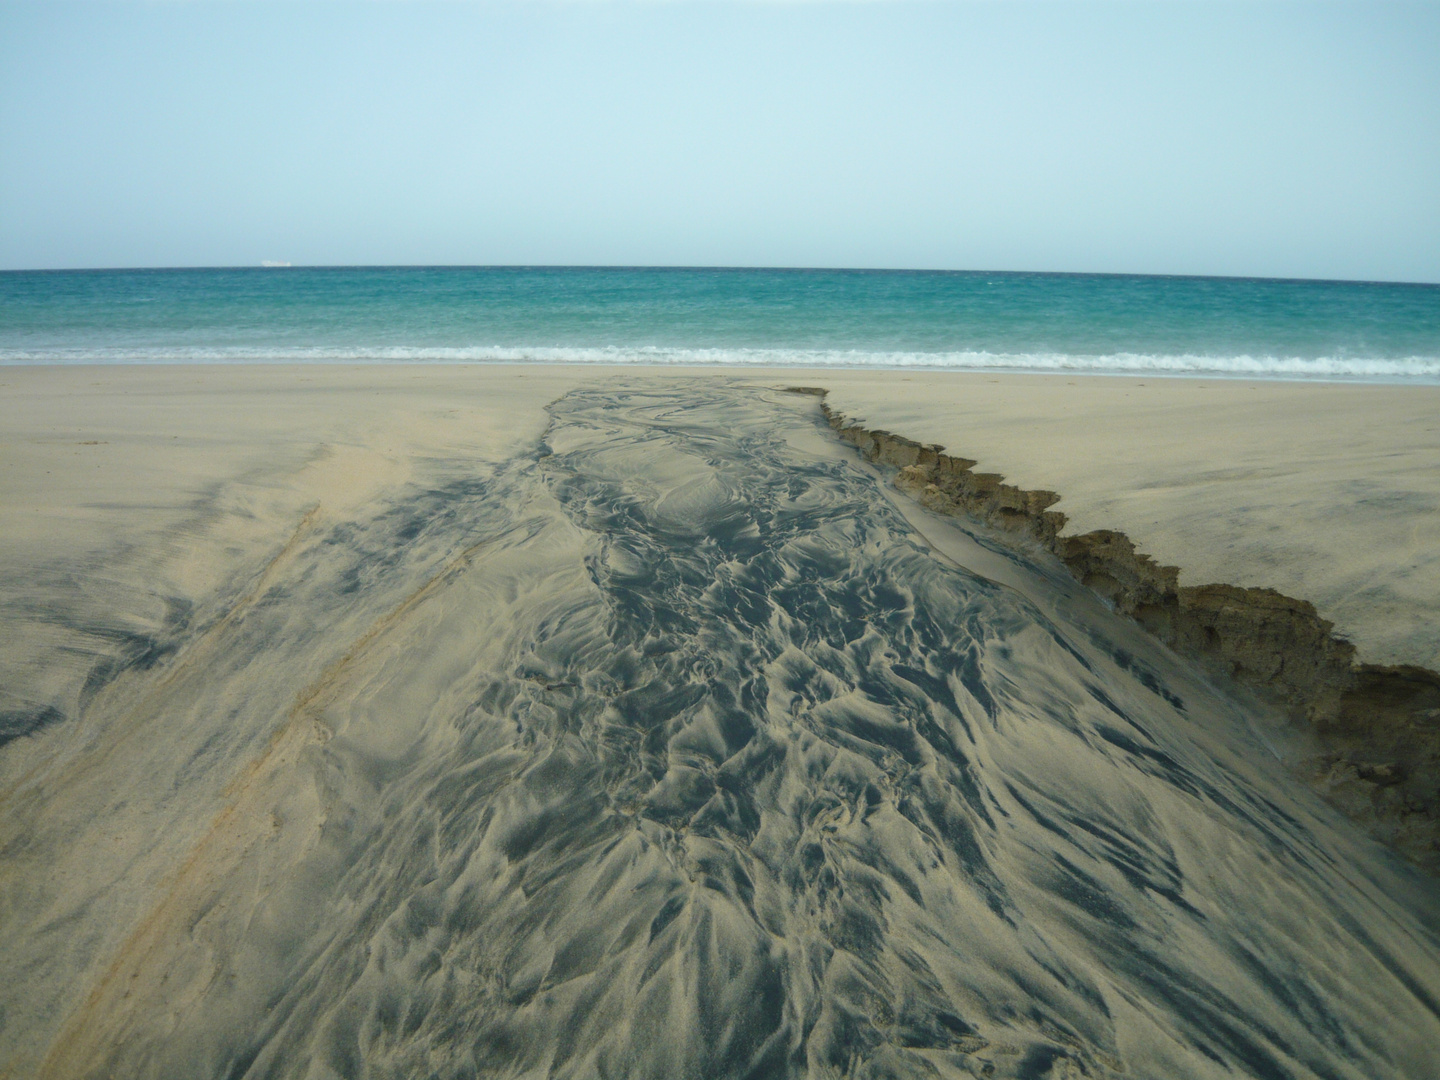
x=1408 y=369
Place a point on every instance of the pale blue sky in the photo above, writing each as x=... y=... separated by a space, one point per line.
x=1259 y=138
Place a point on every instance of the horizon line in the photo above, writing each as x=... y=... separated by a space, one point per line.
x=684 y=267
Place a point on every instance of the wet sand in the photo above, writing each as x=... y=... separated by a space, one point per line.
x=381 y=719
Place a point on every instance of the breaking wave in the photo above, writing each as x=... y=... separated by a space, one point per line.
x=1407 y=369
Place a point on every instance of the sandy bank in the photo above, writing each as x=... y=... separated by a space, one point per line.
x=284 y=647
x=1327 y=492
x=1373 y=715
x=674 y=744
x=128 y=494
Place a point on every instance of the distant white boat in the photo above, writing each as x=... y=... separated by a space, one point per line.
x=273 y=263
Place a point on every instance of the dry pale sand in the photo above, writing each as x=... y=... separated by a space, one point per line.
x=349 y=730
x=127 y=491
x=1325 y=492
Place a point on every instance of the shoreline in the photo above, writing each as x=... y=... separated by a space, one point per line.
x=1378 y=725
x=185 y=358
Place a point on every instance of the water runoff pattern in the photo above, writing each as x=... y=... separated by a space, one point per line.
x=673 y=747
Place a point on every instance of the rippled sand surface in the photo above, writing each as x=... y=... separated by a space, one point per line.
x=671 y=747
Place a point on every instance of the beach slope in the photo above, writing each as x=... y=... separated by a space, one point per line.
x=541 y=720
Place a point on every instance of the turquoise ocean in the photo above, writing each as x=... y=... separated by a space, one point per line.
x=965 y=320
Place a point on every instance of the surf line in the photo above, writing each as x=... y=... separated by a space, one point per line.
x=1378 y=724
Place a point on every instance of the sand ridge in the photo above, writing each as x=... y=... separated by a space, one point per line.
x=1375 y=729
x=1327 y=492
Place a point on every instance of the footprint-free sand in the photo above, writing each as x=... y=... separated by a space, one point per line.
x=527 y=720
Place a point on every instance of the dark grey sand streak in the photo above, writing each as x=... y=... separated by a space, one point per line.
x=673 y=749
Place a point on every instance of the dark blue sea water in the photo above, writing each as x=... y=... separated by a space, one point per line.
x=1018 y=321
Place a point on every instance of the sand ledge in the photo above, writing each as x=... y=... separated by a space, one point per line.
x=1378 y=726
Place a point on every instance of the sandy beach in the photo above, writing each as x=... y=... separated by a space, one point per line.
x=1327 y=492
x=302 y=664
x=719 y=541
x=1323 y=491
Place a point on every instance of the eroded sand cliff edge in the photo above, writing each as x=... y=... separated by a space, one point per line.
x=1377 y=728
